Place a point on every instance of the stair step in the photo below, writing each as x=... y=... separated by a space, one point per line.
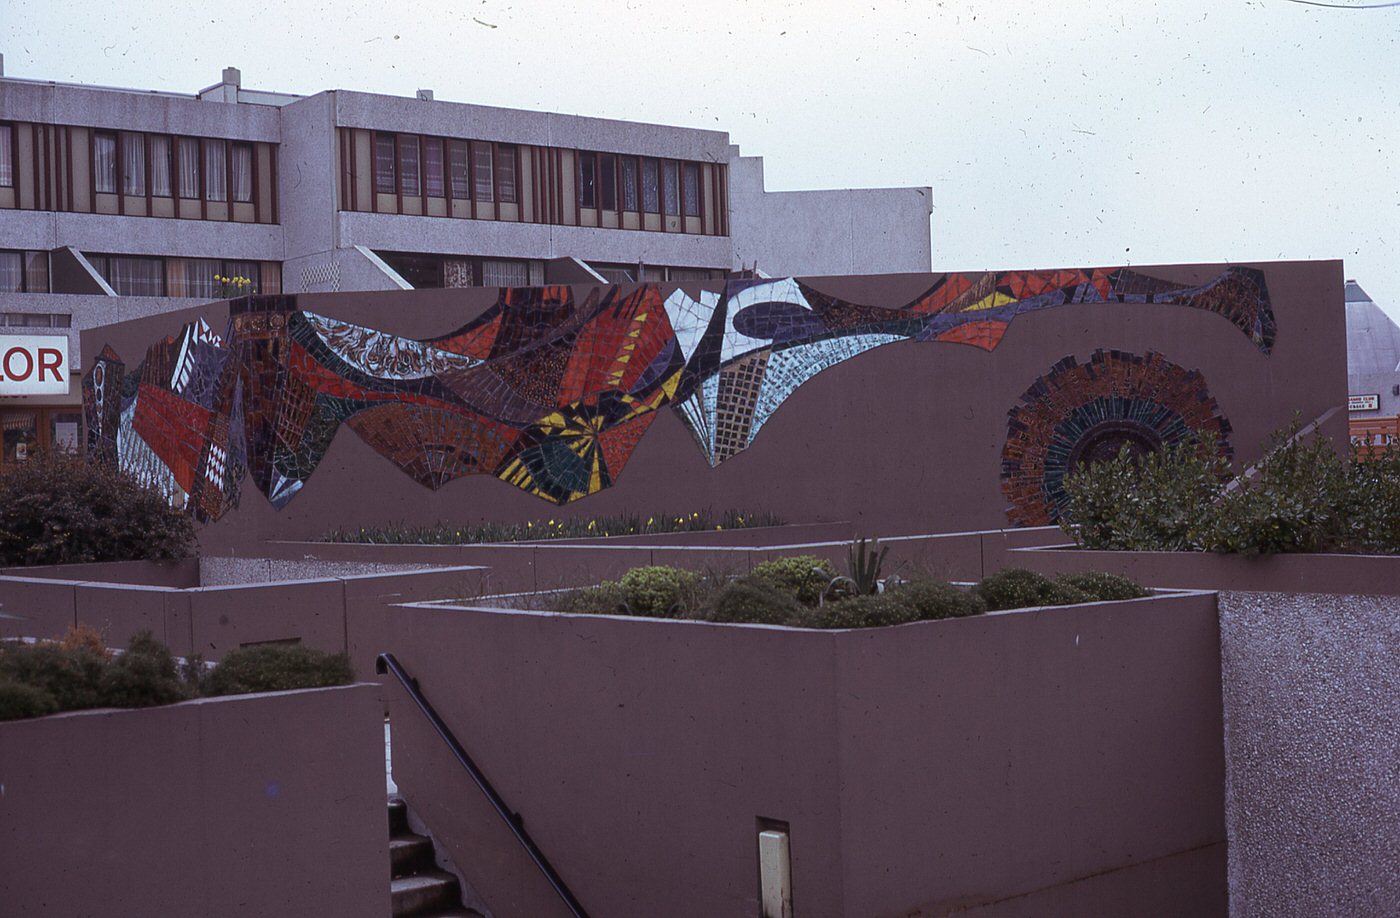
x=424 y=894
x=410 y=854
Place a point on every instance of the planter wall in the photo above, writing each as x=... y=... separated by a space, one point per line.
x=1312 y=714
x=252 y=805
x=1061 y=759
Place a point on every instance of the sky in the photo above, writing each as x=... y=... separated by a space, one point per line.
x=1052 y=133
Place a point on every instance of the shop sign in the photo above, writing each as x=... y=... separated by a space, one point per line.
x=33 y=365
x=1363 y=402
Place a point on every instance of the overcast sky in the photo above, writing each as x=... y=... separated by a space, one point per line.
x=1053 y=134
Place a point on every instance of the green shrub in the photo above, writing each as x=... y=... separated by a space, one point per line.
x=72 y=677
x=607 y=598
x=143 y=676
x=932 y=599
x=277 y=668
x=1016 y=588
x=866 y=610
x=802 y=576
x=1103 y=587
x=754 y=600
x=19 y=701
x=59 y=509
x=658 y=590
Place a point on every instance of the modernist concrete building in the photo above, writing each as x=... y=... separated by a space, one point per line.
x=116 y=203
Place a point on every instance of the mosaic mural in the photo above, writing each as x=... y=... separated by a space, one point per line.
x=1080 y=413
x=548 y=392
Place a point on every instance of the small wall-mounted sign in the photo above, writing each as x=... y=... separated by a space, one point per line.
x=1363 y=402
x=33 y=365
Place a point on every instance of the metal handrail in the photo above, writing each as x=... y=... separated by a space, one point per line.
x=387 y=663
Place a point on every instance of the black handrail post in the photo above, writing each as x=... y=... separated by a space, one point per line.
x=387 y=664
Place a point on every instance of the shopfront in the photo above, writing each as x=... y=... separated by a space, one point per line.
x=40 y=400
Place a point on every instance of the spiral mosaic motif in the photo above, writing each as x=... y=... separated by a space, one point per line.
x=1083 y=413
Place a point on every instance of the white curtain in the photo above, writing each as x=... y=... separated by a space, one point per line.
x=104 y=147
x=215 y=177
x=485 y=181
x=160 y=166
x=11 y=272
x=501 y=273
x=7 y=166
x=242 y=172
x=189 y=167
x=133 y=164
x=136 y=276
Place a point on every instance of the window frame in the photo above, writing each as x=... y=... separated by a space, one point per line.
x=384 y=182
x=109 y=186
x=586 y=180
x=8 y=156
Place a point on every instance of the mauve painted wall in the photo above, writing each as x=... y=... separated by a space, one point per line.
x=268 y=805
x=907 y=436
x=930 y=766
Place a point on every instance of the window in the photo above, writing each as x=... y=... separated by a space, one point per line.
x=243 y=173
x=189 y=168
x=104 y=162
x=497 y=272
x=629 y=184
x=24 y=272
x=11 y=272
x=690 y=187
x=132 y=276
x=432 y=167
x=505 y=173
x=408 y=165
x=461 y=172
x=607 y=181
x=215 y=171
x=651 y=201
x=485 y=176
x=7 y=163
x=384 y=155
x=133 y=164
x=160 y=166
x=587 y=180
x=670 y=189
x=192 y=277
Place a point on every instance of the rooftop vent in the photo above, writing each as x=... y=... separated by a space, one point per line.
x=232 y=76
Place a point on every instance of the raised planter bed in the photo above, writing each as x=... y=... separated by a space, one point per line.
x=247 y=805
x=1066 y=760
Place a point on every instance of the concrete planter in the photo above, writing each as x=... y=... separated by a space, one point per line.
x=1057 y=761
x=247 y=805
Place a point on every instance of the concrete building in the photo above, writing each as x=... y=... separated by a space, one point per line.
x=1373 y=370
x=116 y=203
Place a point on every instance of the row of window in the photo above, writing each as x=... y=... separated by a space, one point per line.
x=647 y=185
x=95 y=170
x=134 y=275
x=24 y=272
x=185 y=167
x=36 y=319
x=462 y=170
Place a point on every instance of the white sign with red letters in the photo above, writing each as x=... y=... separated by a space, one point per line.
x=33 y=365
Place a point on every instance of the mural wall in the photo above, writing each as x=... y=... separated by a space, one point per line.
x=818 y=399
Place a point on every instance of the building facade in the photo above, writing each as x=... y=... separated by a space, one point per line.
x=117 y=203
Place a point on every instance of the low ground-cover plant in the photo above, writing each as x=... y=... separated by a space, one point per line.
x=1303 y=496
x=579 y=528
x=57 y=508
x=785 y=592
x=79 y=673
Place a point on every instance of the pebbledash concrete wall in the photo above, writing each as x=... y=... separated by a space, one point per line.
x=269 y=805
x=1057 y=761
x=910 y=437
x=1312 y=721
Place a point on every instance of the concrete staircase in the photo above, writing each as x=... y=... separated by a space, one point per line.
x=418 y=887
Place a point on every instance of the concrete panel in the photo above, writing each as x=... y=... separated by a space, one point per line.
x=36 y=608
x=226 y=617
x=180 y=573
x=120 y=610
x=254 y=805
x=136 y=110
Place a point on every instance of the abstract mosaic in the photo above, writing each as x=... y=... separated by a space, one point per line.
x=1082 y=413
x=544 y=390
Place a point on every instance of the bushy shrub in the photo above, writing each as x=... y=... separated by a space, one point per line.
x=658 y=590
x=72 y=677
x=60 y=509
x=1016 y=588
x=866 y=610
x=143 y=676
x=932 y=599
x=18 y=701
x=1103 y=587
x=607 y=598
x=802 y=576
x=277 y=668
x=755 y=600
